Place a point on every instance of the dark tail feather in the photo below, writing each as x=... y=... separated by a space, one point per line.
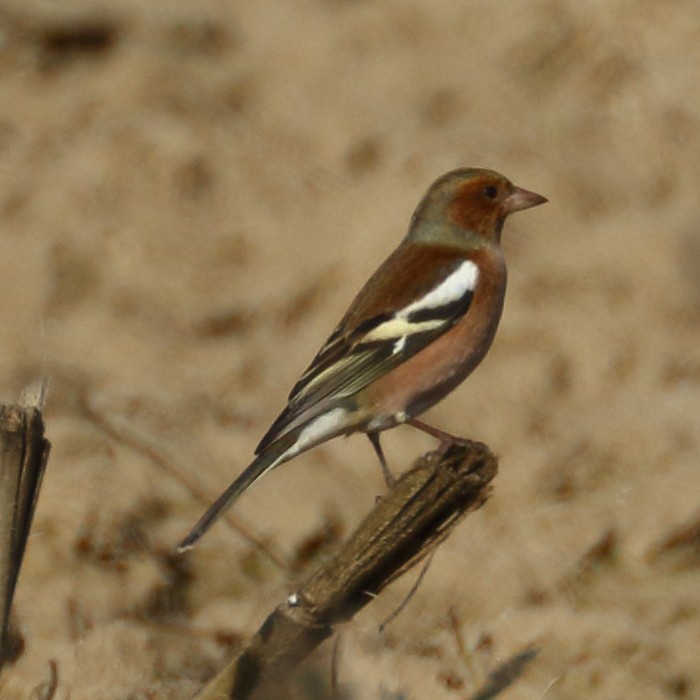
x=267 y=460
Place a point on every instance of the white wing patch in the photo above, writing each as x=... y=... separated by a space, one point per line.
x=452 y=288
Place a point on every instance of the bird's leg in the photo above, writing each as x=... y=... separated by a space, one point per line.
x=444 y=437
x=374 y=439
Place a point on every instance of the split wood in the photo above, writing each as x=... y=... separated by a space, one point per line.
x=23 y=454
x=418 y=513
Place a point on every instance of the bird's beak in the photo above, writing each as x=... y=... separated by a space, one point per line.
x=520 y=199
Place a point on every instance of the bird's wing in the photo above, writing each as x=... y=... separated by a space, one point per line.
x=414 y=297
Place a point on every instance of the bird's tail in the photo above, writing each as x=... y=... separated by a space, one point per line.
x=269 y=459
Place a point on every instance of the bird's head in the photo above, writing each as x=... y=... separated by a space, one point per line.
x=471 y=202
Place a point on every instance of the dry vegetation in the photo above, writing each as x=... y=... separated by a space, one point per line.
x=190 y=193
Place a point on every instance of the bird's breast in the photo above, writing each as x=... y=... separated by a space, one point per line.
x=428 y=376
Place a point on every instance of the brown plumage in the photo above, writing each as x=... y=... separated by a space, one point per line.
x=416 y=330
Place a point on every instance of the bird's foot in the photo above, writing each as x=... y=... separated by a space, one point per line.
x=446 y=439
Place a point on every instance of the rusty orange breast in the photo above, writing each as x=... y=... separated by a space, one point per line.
x=432 y=373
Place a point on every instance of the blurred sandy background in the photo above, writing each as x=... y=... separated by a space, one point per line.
x=191 y=193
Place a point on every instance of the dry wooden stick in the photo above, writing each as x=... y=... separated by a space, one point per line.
x=23 y=455
x=415 y=516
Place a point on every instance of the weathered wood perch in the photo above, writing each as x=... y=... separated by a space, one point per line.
x=23 y=454
x=416 y=515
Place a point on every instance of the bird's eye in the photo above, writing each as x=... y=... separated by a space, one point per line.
x=491 y=191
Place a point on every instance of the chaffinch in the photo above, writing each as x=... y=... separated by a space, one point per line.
x=417 y=329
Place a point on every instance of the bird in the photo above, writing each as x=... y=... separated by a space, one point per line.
x=419 y=326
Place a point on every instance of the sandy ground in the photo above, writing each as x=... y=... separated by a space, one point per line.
x=191 y=193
